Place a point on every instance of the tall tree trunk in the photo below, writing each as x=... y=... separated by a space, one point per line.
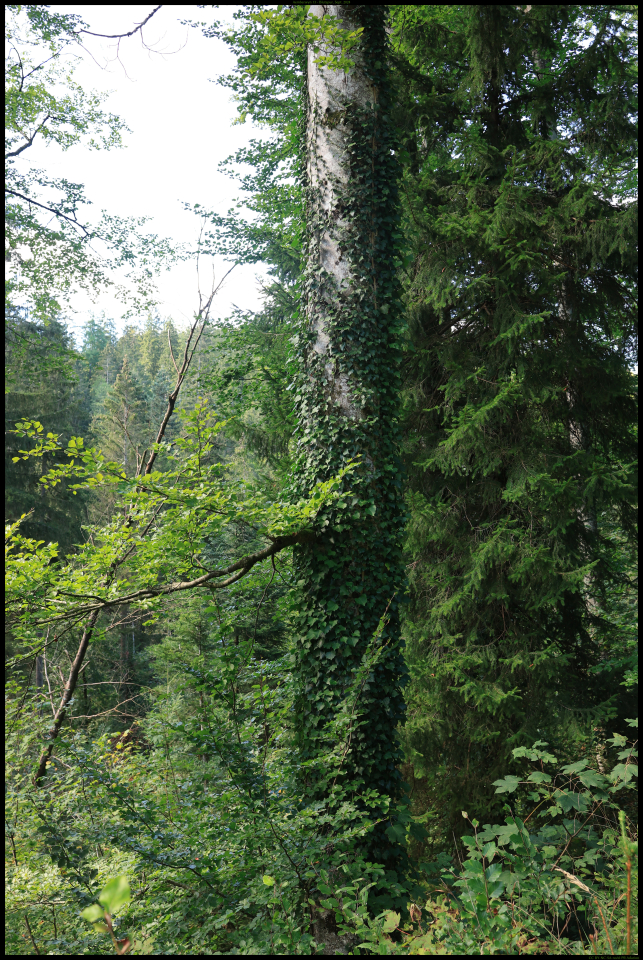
x=347 y=404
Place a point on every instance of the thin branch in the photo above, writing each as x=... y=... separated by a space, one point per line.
x=92 y=716
x=68 y=693
x=235 y=571
x=25 y=76
x=15 y=153
x=51 y=696
x=120 y=36
x=17 y=661
x=57 y=213
x=31 y=935
x=202 y=317
x=147 y=529
x=13 y=850
x=91 y=596
x=169 y=340
x=181 y=886
x=112 y=683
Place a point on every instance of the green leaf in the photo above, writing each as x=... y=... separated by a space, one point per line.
x=508 y=785
x=269 y=881
x=93 y=913
x=489 y=850
x=571 y=801
x=589 y=778
x=574 y=767
x=391 y=922
x=115 y=893
x=396 y=832
x=538 y=777
x=624 y=772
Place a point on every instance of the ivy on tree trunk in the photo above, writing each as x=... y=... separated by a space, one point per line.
x=346 y=396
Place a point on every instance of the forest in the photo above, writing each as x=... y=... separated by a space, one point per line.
x=321 y=619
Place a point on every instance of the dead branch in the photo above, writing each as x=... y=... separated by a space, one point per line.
x=243 y=566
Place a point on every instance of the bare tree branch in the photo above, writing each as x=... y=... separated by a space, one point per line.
x=169 y=341
x=121 y=36
x=237 y=570
x=202 y=316
x=68 y=693
x=92 y=716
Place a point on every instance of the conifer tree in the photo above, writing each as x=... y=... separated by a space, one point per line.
x=520 y=154
x=98 y=368
x=97 y=335
x=123 y=426
x=151 y=346
x=43 y=383
x=518 y=162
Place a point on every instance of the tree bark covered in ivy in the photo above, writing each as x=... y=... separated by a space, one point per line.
x=347 y=408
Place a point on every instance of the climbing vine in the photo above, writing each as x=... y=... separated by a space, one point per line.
x=346 y=398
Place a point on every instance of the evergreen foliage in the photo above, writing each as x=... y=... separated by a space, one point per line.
x=41 y=382
x=219 y=633
x=519 y=394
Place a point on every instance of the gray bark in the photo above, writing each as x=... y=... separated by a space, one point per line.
x=330 y=92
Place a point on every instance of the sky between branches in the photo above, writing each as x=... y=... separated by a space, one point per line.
x=181 y=126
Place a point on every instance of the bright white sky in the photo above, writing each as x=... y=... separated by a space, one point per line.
x=181 y=126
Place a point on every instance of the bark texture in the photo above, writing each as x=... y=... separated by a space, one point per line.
x=347 y=396
x=331 y=95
